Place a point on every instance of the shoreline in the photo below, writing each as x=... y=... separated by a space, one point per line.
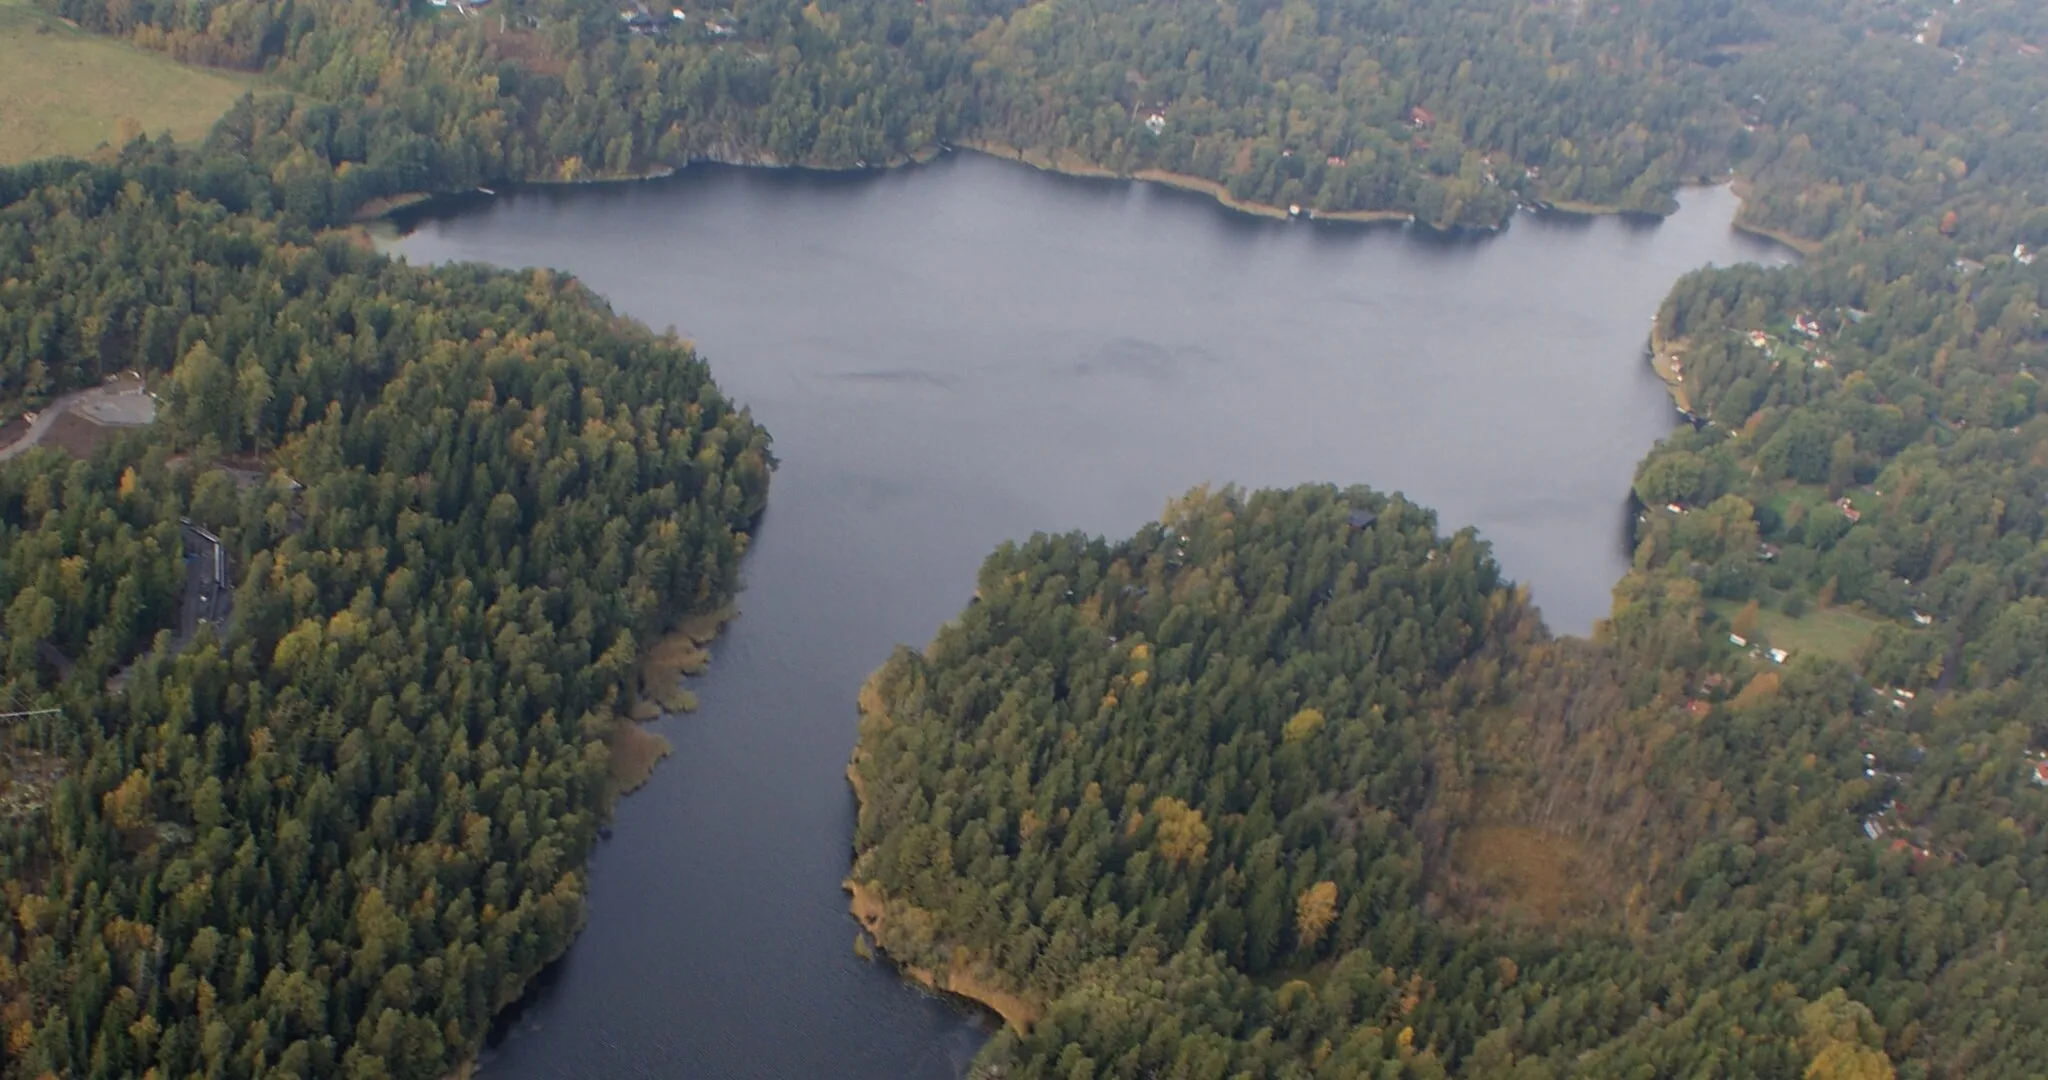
x=1662 y=355
x=1803 y=247
x=642 y=752
x=1799 y=244
x=1064 y=165
x=1061 y=163
x=870 y=909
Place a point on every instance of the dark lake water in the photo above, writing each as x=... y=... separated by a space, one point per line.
x=970 y=351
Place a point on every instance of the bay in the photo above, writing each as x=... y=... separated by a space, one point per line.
x=969 y=351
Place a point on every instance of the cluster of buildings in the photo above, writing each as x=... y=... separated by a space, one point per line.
x=1776 y=656
x=641 y=22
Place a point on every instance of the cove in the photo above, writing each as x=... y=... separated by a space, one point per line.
x=965 y=352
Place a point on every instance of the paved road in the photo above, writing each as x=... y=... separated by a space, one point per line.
x=120 y=403
x=208 y=591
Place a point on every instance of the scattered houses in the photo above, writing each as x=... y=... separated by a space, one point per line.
x=1778 y=656
x=2021 y=255
x=641 y=22
x=1155 y=123
x=1921 y=618
x=1805 y=323
x=1848 y=510
x=1903 y=845
x=1738 y=641
x=1422 y=118
x=1760 y=339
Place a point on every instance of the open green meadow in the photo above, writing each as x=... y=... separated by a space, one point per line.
x=65 y=92
x=1838 y=633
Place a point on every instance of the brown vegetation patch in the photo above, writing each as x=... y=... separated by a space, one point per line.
x=387 y=204
x=526 y=49
x=678 y=654
x=1526 y=874
x=635 y=751
x=962 y=978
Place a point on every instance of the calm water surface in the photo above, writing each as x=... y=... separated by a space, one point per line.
x=966 y=352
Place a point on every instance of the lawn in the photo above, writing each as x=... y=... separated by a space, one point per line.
x=1837 y=633
x=64 y=91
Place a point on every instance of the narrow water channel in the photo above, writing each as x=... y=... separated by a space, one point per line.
x=965 y=352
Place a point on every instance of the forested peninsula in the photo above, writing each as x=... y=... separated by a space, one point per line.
x=334 y=831
x=1331 y=802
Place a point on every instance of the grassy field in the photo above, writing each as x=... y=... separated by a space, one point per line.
x=1837 y=633
x=64 y=91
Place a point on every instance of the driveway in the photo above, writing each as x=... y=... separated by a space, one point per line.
x=120 y=402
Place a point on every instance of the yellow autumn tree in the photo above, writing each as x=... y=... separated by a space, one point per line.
x=1302 y=725
x=1314 y=912
x=1182 y=837
x=128 y=805
x=1760 y=689
x=1842 y=1038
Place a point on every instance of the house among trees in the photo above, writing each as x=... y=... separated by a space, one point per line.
x=1363 y=519
x=1422 y=118
x=1848 y=509
x=1805 y=323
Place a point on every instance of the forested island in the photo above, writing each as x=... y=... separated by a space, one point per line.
x=1286 y=785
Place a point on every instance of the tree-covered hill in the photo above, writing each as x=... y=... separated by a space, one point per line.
x=1222 y=800
x=1452 y=111
x=332 y=836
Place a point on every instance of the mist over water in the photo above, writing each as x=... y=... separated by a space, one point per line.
x=962 y=353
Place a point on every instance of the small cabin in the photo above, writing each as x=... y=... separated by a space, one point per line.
x=1363 y=519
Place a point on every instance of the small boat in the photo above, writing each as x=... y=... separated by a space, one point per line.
x=486 y=191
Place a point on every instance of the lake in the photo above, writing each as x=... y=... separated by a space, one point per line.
x=969 y=351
